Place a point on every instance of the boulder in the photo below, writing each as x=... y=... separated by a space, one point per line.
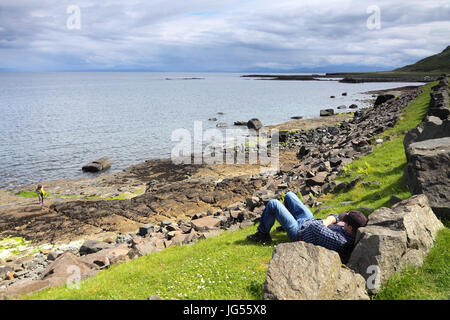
x=106 y=257
x=428 y=171
x=184 y=238
x=205 y=223
x=302 y=152
x=335 y=161
x=303 y=271
x=439 y=103
x=221 y=125
x=326 y=112
x=68 y=267
x=92 y=246
x=383 y=98
x=318 y=179
x=431 y=128
x=283 y=135
x=254 y=124
x=52 y=256
x=297 y=117
x=393 y=239
x=144 y=246
x=146 y=229
x=4 y=271
x=252 y=202
x=23 y=287
x=240 y=123
x=353 y=106
x=97 y=165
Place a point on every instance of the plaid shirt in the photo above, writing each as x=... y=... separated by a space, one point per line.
x=333 y=237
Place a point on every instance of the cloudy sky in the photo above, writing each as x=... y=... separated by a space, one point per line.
x=222 y=35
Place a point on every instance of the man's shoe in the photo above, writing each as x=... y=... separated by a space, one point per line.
x=259 y=237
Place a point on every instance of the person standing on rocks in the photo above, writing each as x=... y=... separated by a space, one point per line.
x=40 y=193
x=335 y=232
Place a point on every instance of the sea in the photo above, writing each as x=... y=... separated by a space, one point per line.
x=51 y=124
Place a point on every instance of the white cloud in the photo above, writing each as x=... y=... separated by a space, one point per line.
x=222 y=35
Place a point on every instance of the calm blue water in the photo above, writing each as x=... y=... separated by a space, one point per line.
x=53 y=123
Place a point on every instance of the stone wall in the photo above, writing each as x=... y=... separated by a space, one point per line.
x=393 y=239
x=427 y=149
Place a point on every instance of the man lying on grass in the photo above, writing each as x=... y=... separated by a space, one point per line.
x=336 y=232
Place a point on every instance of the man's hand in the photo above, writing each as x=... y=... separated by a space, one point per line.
x=329 y=221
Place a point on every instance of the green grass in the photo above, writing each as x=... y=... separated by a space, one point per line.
x=11 y=246
x=222 y=267
x=384 y=165
x=438 y=63
x=229 y=267
x=429 y=282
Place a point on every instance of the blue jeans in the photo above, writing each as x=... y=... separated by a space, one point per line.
x=291 y=215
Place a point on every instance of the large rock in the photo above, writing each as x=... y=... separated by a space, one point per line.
x=439 y=103
x=23 y=287
x=97 y=165
x=254 y=124
x=428 y=171
x=303 y=271
x=393 y=239
x=106 y=257
x=67 y=268
x=144 y=246
x=93 y=246
x=383 y=98
x=4 y=271
x=326 y=112
x=318 y=179
x=431 y=128
x=205 y=223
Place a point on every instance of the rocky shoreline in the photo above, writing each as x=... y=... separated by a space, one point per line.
x=184 y=203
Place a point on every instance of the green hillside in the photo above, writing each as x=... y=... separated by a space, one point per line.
x=437 y=63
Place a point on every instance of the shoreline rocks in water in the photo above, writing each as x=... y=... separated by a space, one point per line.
x=254 y=124
x=383 y=98
x=98 y=165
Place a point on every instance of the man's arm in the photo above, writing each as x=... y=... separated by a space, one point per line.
x=331 y=219
x=319 y=234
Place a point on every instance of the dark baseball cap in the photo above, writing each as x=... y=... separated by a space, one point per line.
x=354 y=218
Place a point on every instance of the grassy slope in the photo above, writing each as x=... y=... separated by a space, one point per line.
x=228 y=267
x=429 y=282
x=222 y=267
x=384 y=165
x=436 y=63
